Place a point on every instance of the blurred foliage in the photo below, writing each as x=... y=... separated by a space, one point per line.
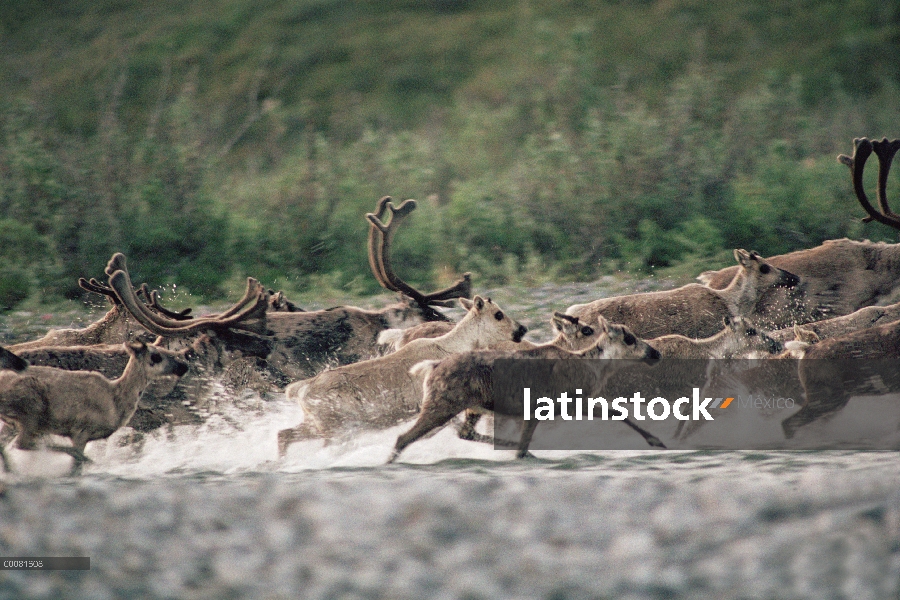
x=221 y=138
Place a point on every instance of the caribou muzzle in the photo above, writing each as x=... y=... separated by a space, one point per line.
x=519 y=333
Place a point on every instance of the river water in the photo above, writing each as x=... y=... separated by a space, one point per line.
x=210 y=512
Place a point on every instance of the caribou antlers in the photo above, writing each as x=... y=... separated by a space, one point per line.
x=151 y=298
x=247 y=316
x=885 y=151
x=380 y=238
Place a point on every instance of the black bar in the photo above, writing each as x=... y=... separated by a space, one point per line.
x=44 y=563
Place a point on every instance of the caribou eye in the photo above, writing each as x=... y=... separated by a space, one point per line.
x=155 y=358
x=751 y=331
x=587 y=331
x=629 y=339
x=764 y=268
x=498 y=315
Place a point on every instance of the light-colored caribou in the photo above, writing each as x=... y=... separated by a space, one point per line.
x=81 y=405
x=694 y=310
x=380 y=392
x=739 y=338
x=464 y=382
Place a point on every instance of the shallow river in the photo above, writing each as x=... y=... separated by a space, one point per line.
x=209 y=512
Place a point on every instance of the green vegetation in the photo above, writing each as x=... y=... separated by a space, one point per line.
x=217 y=139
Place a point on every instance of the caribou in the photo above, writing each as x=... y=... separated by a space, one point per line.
x=834 y=370
x=380 y=392
x=738 y=339
x=694 y=310
x=81 y=405
x=861 y=362
x=464 y=382
x=838 y=326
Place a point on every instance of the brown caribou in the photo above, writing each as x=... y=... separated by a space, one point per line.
x=81 y=405
x=465 y=382
x=694 y=310
x=304 y=343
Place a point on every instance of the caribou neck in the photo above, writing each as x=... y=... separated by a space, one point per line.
x=741 y=295
x=128 y=388
x=462 y=338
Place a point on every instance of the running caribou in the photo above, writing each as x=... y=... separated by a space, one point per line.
x=694 y=310
x=381 y=392
x=81 y=405
x=304 y=343
x=464 y=382
x=862 y=362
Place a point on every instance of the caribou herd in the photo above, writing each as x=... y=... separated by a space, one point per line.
x=143 y=366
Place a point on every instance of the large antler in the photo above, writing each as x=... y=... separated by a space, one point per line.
x=885 y=151
x=380 y=239
x=151 y=298
x=248 y=315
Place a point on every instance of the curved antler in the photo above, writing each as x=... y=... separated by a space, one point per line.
x=96 y=287
x=885 y=151
x=251 y=318
x=247 y=315
x=152 y=300
x=118 y=263
x=381 y=237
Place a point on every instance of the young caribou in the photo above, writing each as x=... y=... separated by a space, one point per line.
x=738 y=339
x=381 y=392
x=693 y=310
x=81 y=405
x=464 y=382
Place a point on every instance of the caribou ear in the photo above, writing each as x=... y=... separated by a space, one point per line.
x=603 y=324
x=479 y=302
x=742 y=256
x=466 y=303
x=135 y=347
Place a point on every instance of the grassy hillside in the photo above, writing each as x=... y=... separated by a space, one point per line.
x=219 y=138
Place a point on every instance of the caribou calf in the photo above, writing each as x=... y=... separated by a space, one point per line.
x=81 y=405
x=465 y=382
x=381 y=392
x=739 y=339
x=694 y=310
